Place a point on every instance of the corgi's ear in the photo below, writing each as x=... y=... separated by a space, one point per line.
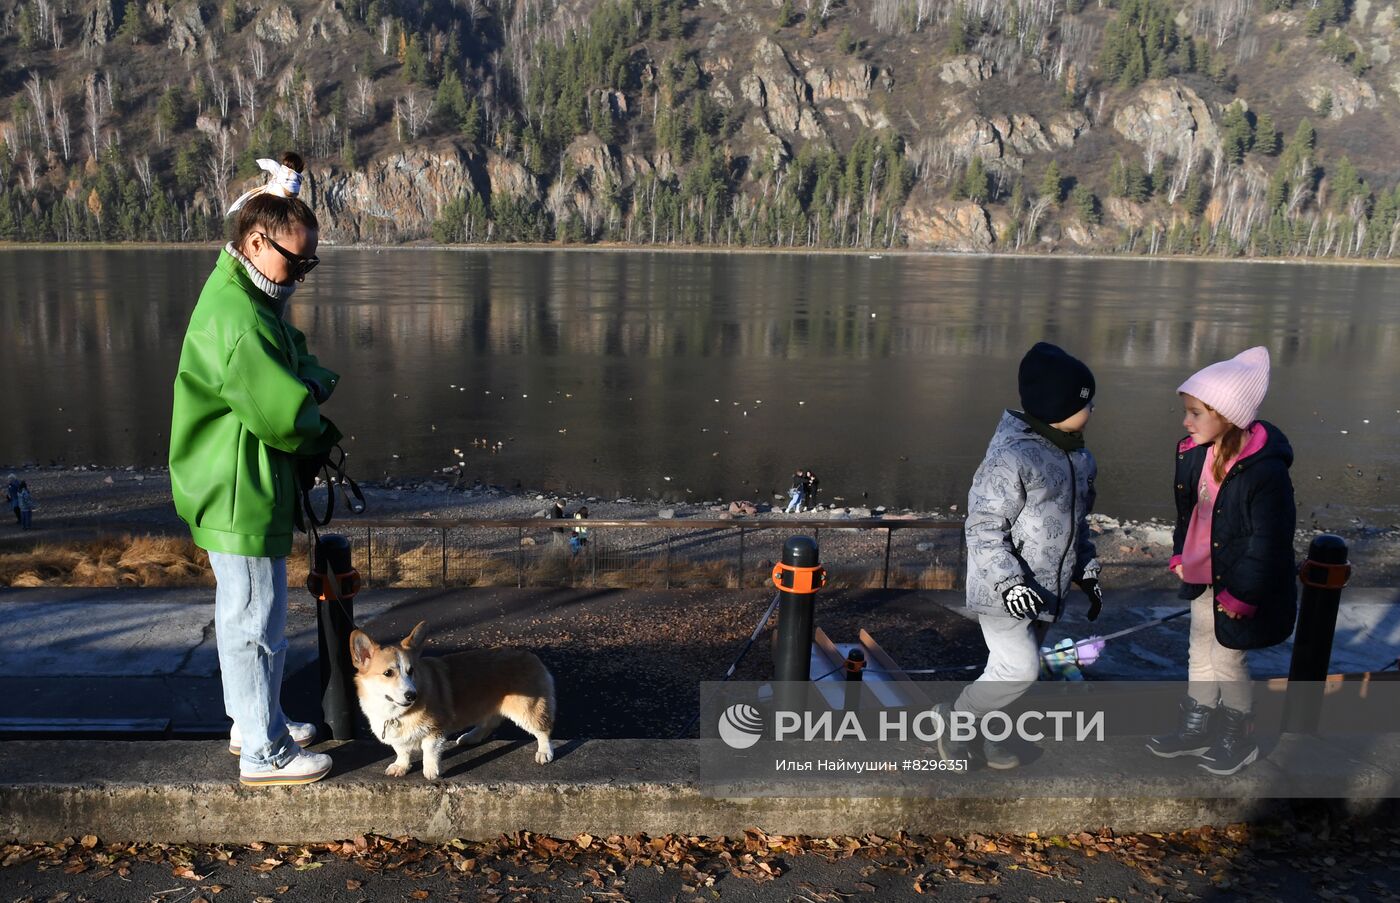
x=362 y=648
x=414 y=641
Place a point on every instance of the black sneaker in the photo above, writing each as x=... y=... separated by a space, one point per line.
x=1193 y=737
x=1235 y=748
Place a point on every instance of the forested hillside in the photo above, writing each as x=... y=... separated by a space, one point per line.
x=1231 y=127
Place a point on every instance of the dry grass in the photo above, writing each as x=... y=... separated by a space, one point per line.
x=110 y=561
x=150 y=561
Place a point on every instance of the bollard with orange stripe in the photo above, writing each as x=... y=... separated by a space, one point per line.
x=1324 y=574
x=798 y=577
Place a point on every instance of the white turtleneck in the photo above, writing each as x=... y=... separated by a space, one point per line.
x=273 y=290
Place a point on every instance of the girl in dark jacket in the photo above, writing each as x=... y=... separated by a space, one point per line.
x=1233 y=552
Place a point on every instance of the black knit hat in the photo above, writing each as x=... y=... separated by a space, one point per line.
x=1054 y=386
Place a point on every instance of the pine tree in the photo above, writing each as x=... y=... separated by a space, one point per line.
x=1086 y=204
x=1346 y=184
x=1266 y=137
x=1304 y=137
x=1236 y=133
x=976 y=184
x=473 y=127
x=1052 y=184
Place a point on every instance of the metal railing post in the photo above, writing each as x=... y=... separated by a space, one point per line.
x=742 y=531
x=444 y=557
x=889 y=538
x=519 y=557
x=668 y=560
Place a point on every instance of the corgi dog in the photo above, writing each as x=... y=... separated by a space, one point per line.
x=415 y=702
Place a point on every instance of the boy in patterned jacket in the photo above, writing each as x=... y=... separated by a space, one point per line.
x=1028 y=534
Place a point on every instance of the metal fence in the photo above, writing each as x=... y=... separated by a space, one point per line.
x=537 y=552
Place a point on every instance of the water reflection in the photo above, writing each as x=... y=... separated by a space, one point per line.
x=600 y=370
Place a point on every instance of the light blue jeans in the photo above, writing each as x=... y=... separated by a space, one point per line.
x=250 y=623
x=795 y=499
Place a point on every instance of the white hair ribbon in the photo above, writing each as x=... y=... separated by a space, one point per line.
x=285 y=182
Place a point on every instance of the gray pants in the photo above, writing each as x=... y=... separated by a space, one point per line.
x=1013 y=664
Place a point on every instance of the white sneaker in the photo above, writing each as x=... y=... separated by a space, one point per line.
x=303 y=735
x=305 y=768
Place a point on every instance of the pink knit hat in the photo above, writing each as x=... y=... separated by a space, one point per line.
x=1234 y=388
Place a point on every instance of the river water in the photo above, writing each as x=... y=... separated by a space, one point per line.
x=699 y=376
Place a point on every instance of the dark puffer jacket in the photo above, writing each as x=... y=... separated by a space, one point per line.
x=1251 y=540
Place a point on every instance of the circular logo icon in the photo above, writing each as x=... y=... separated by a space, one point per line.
x=740 y=726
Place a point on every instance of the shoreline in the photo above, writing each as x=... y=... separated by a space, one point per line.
x=615 y=247
x=84 y=498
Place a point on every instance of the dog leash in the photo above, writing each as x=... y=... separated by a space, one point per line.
x=1046 y=656
x=332 y=467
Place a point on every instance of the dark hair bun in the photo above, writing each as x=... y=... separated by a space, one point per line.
x=293 y=160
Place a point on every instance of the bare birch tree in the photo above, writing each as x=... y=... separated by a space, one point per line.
x=219 y=87
x=220 y=164
x=39 y=100
x=60 y=121
x=364 y=96
x=142 y=165
x=257 y=58
x=92 y=110
x=414 y=110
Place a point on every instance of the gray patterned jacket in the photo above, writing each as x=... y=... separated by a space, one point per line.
x=1027 y=520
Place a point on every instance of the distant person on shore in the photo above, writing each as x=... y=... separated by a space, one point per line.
x=246 y=411
x=797 y=493
x=1028 y=536
x=559 y=534
x=12 y=496
x=1233 y=552
x=810 y=486
x=579 y=539
x=26 y=506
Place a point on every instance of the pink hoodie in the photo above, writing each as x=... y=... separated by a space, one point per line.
x=1195 y=551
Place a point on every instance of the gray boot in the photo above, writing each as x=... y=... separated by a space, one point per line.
x=949 y=749
x=999 y=755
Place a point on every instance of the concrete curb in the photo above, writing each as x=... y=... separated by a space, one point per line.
x=186 y=792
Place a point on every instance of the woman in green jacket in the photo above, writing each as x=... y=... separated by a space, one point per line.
x=247 y=405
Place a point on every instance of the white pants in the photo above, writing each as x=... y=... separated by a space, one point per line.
x=1216 y=674
x=1013 y=664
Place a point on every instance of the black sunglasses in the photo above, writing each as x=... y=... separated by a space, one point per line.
x=300 y=265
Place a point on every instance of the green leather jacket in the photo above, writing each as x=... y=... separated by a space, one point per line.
x=241 y=417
